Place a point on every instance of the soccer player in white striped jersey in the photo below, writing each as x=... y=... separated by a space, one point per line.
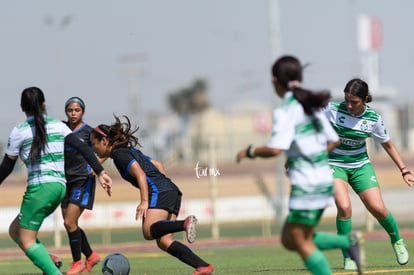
x=39 y=141
x=355 y=121
x=302 y=131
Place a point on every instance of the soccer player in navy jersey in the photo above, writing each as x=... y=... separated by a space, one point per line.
x=80 y=189
x=160 y=197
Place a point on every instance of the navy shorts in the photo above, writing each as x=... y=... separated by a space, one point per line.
x=169 y=201
x=81 y=193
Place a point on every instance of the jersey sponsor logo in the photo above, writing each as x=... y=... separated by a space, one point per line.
x=351 y=142
x=341 y=119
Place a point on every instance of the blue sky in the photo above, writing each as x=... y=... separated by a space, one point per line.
x=173 y=42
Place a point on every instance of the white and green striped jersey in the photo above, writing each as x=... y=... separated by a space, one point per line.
x=305 y=147
x=353 y=132
x=51 y=165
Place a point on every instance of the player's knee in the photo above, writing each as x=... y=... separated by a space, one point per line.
x=148 y=234
x=69 y=225
x=287 y=244
x=344 y=210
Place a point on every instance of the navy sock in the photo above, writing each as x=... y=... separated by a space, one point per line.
x=75 y=242
x=164 y=227
x=184 y=254
x=86 y=247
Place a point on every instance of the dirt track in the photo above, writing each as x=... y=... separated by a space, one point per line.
x=233 y=180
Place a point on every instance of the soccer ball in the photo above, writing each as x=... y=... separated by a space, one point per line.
x=115 y=264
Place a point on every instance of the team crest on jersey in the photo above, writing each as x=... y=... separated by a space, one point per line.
x=364 y=125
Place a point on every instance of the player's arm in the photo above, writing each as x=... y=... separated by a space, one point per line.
x=331 y=145
x=263 y=152
x=6 y=166
x=105 y=181
x=396 y=158
x=139 y=174
x=159 y=166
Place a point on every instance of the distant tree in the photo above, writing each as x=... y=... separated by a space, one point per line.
x=187 y=102
x=192 y=99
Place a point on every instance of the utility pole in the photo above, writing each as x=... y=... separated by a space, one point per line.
x=133 y=71
x=58 y=27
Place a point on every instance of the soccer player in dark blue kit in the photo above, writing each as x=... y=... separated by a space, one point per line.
x=160 y=197
x=80 y=190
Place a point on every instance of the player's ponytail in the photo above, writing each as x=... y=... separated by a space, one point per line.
x=32 y=103
x=119 y=134
x=288 y=72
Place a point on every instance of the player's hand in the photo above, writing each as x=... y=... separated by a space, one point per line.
x=242 y=154
x=141 y=212
x=106 y=182
x=409 y=179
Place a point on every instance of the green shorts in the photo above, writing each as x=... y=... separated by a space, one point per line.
x=360 y=179
x=306 y=217
x=39 y=201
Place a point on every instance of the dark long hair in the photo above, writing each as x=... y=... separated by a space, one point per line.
x=32 y=103
x=119 y=134
x=288 y=72
x=359 y=88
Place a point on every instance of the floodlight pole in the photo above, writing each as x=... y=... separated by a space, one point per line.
x=215 y=230
x=275 y=49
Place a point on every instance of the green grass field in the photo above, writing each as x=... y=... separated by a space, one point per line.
x=234 y=259
x=238 y=260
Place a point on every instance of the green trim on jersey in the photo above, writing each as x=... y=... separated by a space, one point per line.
x=50 y=166
x=315 y=160
x=353 y=132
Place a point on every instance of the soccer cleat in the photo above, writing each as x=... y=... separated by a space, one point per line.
x=91 y=262
x=76 y=268
x=56 y=260
x=355 y=250
x=204 y=270
x=401 y=252
x=189 y=227
x=349 y=264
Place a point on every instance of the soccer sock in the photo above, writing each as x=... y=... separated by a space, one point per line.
x=390 y=225
x=184 y=254
x=317 y=263
x=75 y=242
x=38 y=254
x=326 y=241
x=86 y=247
x=344 y=227
x=164 y=227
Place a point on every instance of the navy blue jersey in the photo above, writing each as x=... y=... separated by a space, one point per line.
x=157 y=182
x=76 y=167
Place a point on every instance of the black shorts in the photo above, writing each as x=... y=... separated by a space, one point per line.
x=169 y=201
x=81 y=193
